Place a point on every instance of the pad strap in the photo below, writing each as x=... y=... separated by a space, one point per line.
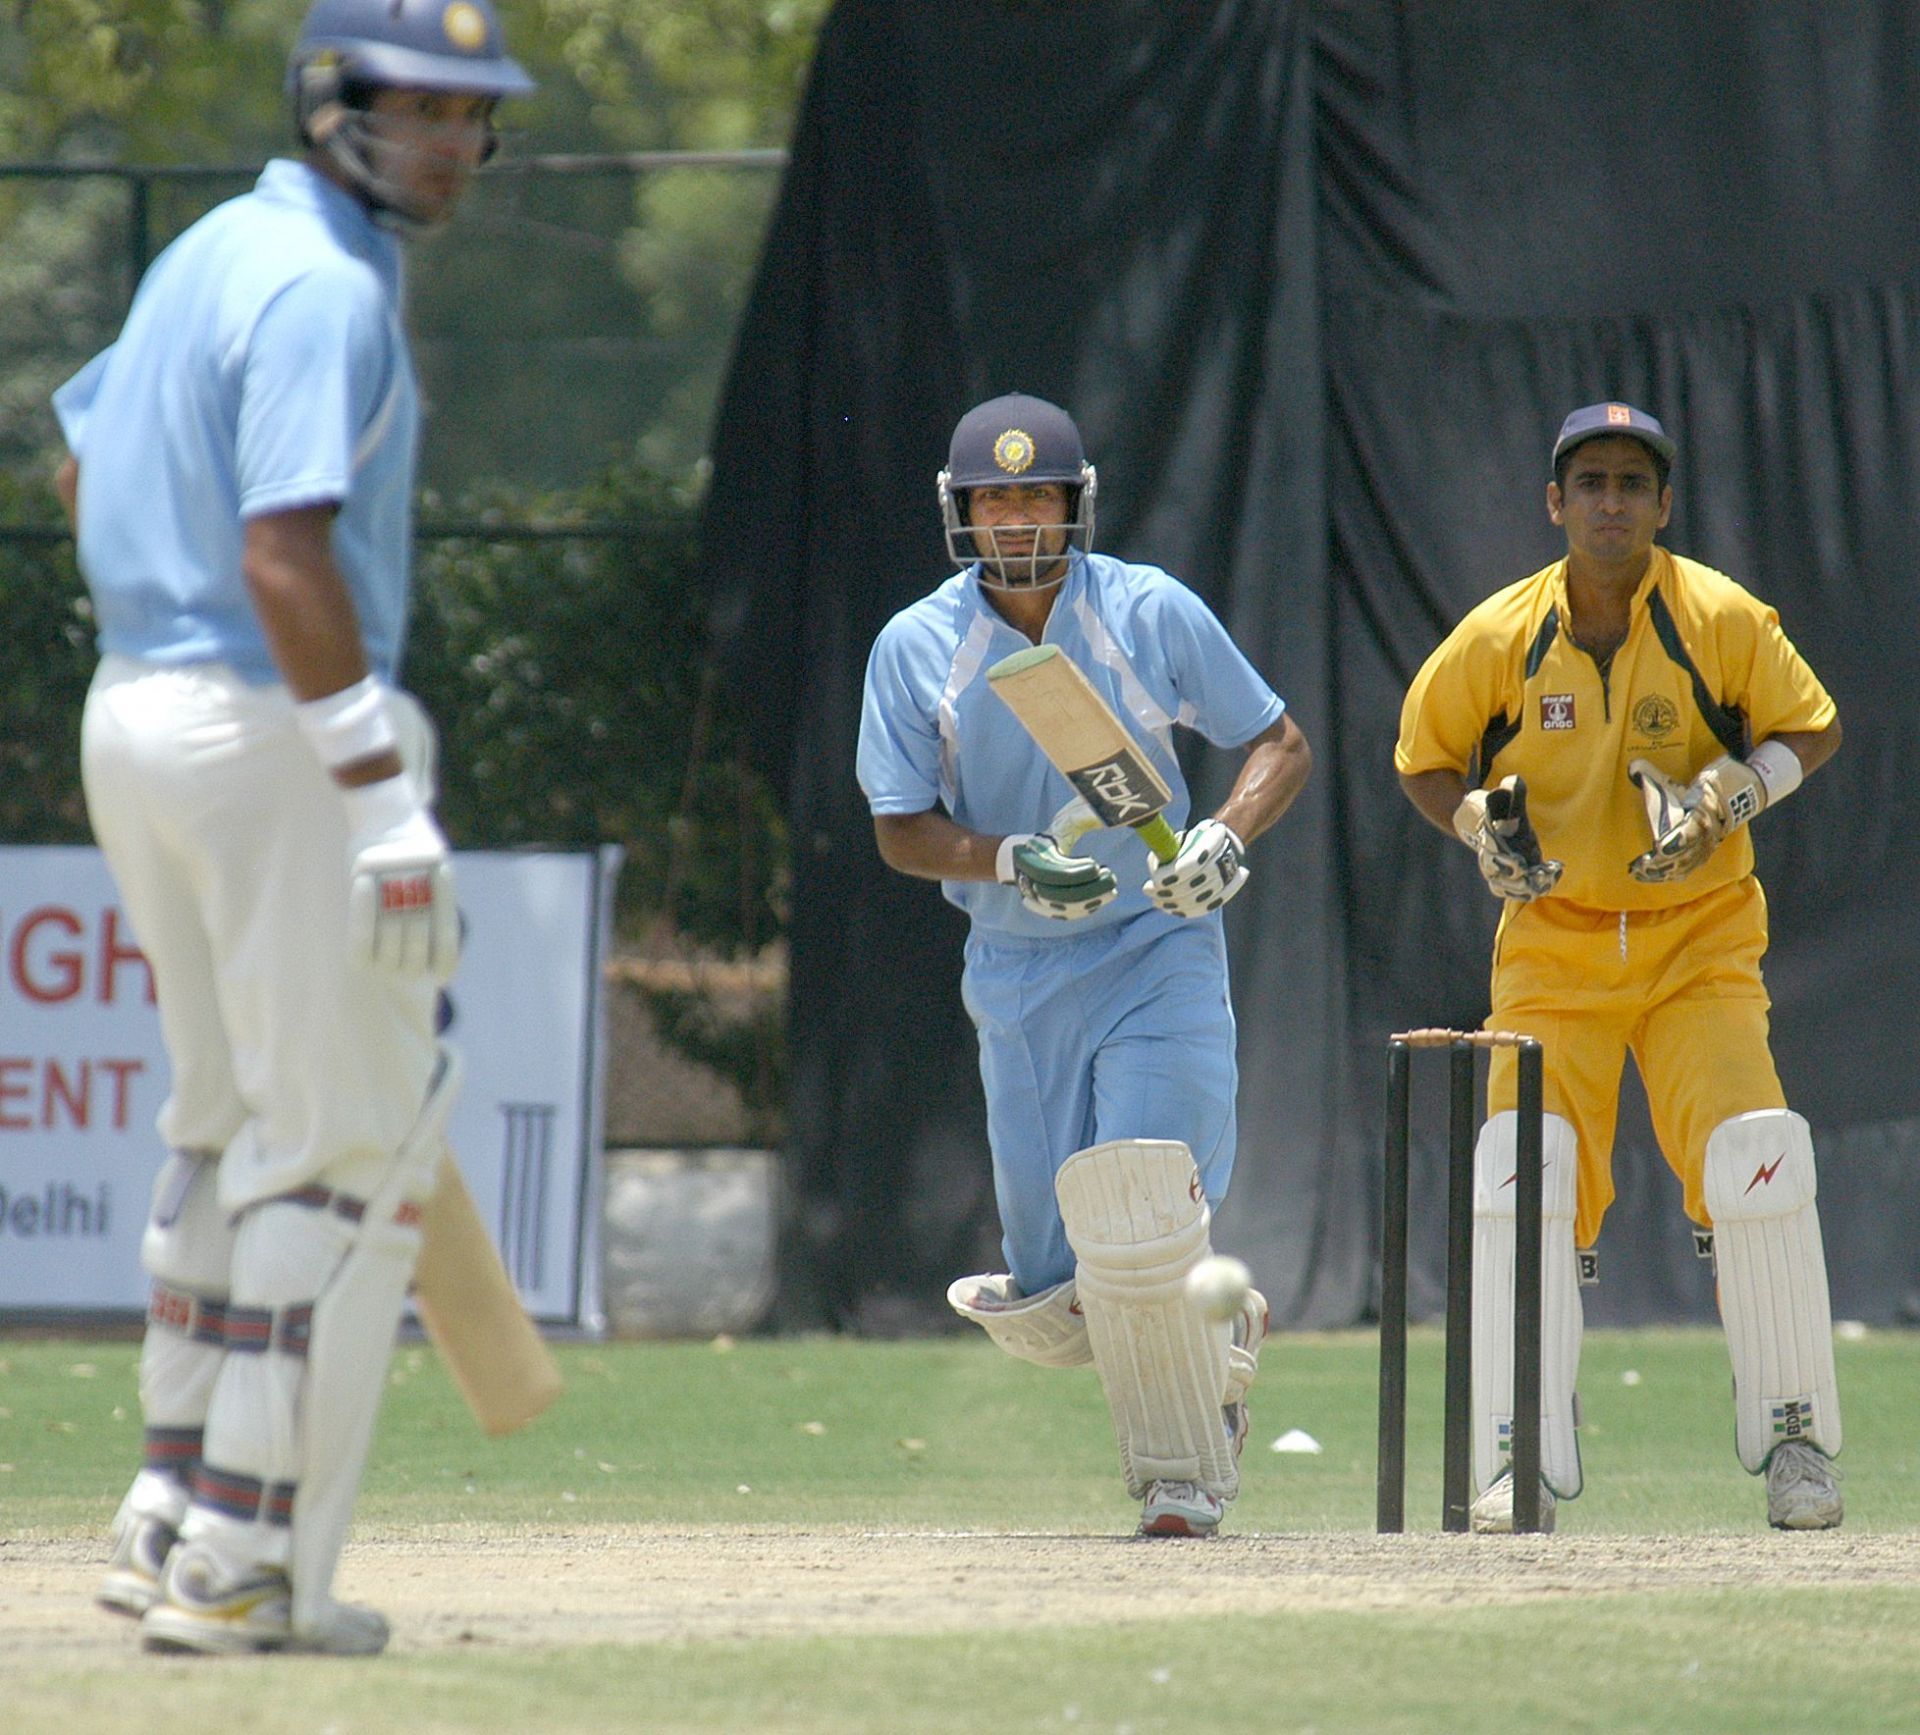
x=201 y=1318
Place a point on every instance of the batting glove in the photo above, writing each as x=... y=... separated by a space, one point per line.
x=1209 y=869
x=1691 y=821
x=1493 y=824
x=401 y=912
x=1064 y=887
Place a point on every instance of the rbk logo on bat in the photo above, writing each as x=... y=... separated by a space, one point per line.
x=1116 y=789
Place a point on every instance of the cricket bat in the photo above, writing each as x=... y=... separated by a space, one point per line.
x=1086 y=743
x=472 y=1311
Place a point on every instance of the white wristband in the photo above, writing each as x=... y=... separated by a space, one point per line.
x=349 y=725
x=1778 y=768
x=1003 y=858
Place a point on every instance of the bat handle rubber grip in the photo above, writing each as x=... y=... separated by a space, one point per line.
x=1160 y=837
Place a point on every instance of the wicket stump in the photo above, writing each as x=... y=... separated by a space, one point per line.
x=1457 y=1469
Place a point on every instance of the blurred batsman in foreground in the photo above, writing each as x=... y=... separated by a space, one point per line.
x=241 y=477
x=1096 y=977
x=1600 y=735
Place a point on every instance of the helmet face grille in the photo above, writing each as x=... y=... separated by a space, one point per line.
x=1031 y=569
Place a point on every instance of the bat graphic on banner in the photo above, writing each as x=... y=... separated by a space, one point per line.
x=472 y=1312
x=1086 y=743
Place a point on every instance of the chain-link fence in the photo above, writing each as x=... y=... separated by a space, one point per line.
x=571 y=327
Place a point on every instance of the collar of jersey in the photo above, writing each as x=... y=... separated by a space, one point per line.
x=289 y=182
x=1656 y=570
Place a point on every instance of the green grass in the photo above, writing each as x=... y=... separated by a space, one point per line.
x=947 y=1434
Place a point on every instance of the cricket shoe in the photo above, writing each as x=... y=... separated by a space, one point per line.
x=132 y=1582
x=1180 y=1509
x=1492 y=1513
x=1803 y=1488
x=205 y=1609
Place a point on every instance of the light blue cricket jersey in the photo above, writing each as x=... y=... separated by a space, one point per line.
x=933 y=733
x=261 y=368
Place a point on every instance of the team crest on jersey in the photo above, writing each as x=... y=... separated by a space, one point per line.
x=1656 y=716
x=1013 y=451
x=465 y=25
x=1556 y=710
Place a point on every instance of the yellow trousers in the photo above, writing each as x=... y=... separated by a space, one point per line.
x=1680 y=988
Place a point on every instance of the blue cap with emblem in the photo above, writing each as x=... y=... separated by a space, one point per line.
x=1597 y=421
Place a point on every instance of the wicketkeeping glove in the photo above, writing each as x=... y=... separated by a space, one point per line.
x=1493 y=824
x=1690 y=821
x=401 y=912
x=1209 y=869
x=1051 y=883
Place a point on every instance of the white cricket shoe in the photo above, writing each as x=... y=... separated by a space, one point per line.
x=1180 y=1509
x=132 y=1581
x=205 y=1608
x=1803 y=1491
x=1492 y=1513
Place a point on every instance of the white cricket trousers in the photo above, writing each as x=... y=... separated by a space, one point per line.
x=228 y=841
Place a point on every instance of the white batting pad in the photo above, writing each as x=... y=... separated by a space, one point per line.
x=354 y=1320
x=1047 y=1328
x=188 y=1250
x=1136 y=1217
x=1561 y=1319
x=1772 y=1272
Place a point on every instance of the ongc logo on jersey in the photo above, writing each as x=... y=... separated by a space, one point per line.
x=1656 y=716
x=1556 y=710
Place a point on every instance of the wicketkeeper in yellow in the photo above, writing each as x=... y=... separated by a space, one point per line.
x=1600 y=734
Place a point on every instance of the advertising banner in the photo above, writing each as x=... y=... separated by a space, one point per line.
x=83 y=1073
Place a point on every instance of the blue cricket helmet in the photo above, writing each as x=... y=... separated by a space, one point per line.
x=421 y=44
x=1011 y=440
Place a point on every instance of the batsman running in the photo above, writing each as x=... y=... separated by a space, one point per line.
x=1649 y=709
x=1096 y=971
x=241 y=476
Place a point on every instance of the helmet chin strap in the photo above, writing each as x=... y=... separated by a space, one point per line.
x=994 y=576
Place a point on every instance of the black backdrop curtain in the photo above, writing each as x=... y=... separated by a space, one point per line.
x=1319 y=282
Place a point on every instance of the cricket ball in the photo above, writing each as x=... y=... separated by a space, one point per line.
x=1218 y=1286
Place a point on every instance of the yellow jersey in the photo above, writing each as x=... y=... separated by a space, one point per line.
x=1704 y=670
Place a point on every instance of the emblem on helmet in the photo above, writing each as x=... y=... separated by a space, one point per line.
x=1013 y=451
x=464 y=25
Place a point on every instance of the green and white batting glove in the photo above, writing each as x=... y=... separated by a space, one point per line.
x=1209 y=869
x=1690 y=821
x=1051 y=883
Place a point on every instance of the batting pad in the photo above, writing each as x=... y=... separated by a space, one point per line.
x=1561 y=1318
x=188 y=1251
x=1772 y=1272
x=1136 y=1217
x=1047 y=1328
x=354 y=1320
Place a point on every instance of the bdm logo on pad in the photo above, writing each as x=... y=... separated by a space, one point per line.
x=1556 y=710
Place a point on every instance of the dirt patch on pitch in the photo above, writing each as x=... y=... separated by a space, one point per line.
x=465 y=1588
